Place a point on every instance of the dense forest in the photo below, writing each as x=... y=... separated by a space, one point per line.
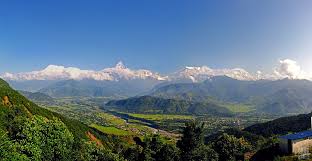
x=29 y=132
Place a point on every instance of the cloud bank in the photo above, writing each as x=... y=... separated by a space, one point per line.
x=286 y=68
x=54 y=72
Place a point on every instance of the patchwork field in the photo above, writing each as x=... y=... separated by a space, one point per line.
x=138 y=124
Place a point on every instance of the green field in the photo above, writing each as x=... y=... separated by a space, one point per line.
x=159 y=117
x=111 y=130
x=239 y=108
x=109 y=118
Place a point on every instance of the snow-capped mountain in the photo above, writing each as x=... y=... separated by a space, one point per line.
x=60 y=81
x=287 y=69
x=120 y=71
x=198 y=74
x=54 y=72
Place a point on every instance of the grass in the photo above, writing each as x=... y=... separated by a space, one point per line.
x=239 y=108
x=111 y=119
x=160 y=117
x=133 y=127
x=111 y=130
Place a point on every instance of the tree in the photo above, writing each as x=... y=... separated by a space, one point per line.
x=8 y=149
x=152 y=148
x=133 y=153
x=204 y=153
x=192 y=146
x=229 y=147
x=43 y=139
x=167 y=152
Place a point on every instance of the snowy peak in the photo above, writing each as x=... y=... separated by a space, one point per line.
x=54 y=72
x=120 y=72
x=197 y=74
x=120 y=65
x=286 y=69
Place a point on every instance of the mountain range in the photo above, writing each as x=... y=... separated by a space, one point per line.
x=121 y=72
x=279 y=96
x=117 y=80
x=60 y=81
x=194 y=84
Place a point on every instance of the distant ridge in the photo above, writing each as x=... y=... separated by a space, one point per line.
x=285 y=96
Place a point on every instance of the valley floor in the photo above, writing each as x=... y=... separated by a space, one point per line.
x=133 y=124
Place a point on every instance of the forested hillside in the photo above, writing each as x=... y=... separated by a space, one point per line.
x=38 y=97
x=28 y=132
x=148 y=104
x=282 y=125
x=283 y=97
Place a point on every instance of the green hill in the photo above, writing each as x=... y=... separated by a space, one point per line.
x=282 y=125
x=39 y=98
x=29 y=132
x=148 y=104
x=283 y=97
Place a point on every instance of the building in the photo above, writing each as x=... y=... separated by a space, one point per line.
x=297 y=143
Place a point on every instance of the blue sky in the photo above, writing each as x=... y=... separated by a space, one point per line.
x=161 y=35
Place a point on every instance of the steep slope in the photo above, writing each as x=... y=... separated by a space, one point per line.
x=13 y=103
x=26 y=124
x=148 y=104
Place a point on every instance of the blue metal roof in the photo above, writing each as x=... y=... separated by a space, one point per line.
x=299 y=135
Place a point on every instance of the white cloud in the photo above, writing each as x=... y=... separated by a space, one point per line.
x=54 y=72
x=286 y=68
x=290 y=69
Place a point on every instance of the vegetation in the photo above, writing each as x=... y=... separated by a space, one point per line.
x=190 y=147
x=282 y=97
x=282 y=125
x=39 y=98
x=229 y=147
x=160 y=117
x=111 y=130
x=28 y=132
x=239 y=108
x=148 y=104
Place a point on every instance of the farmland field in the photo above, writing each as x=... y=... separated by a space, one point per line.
x=122 y=123
x=111 y=130
x=160 y=117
